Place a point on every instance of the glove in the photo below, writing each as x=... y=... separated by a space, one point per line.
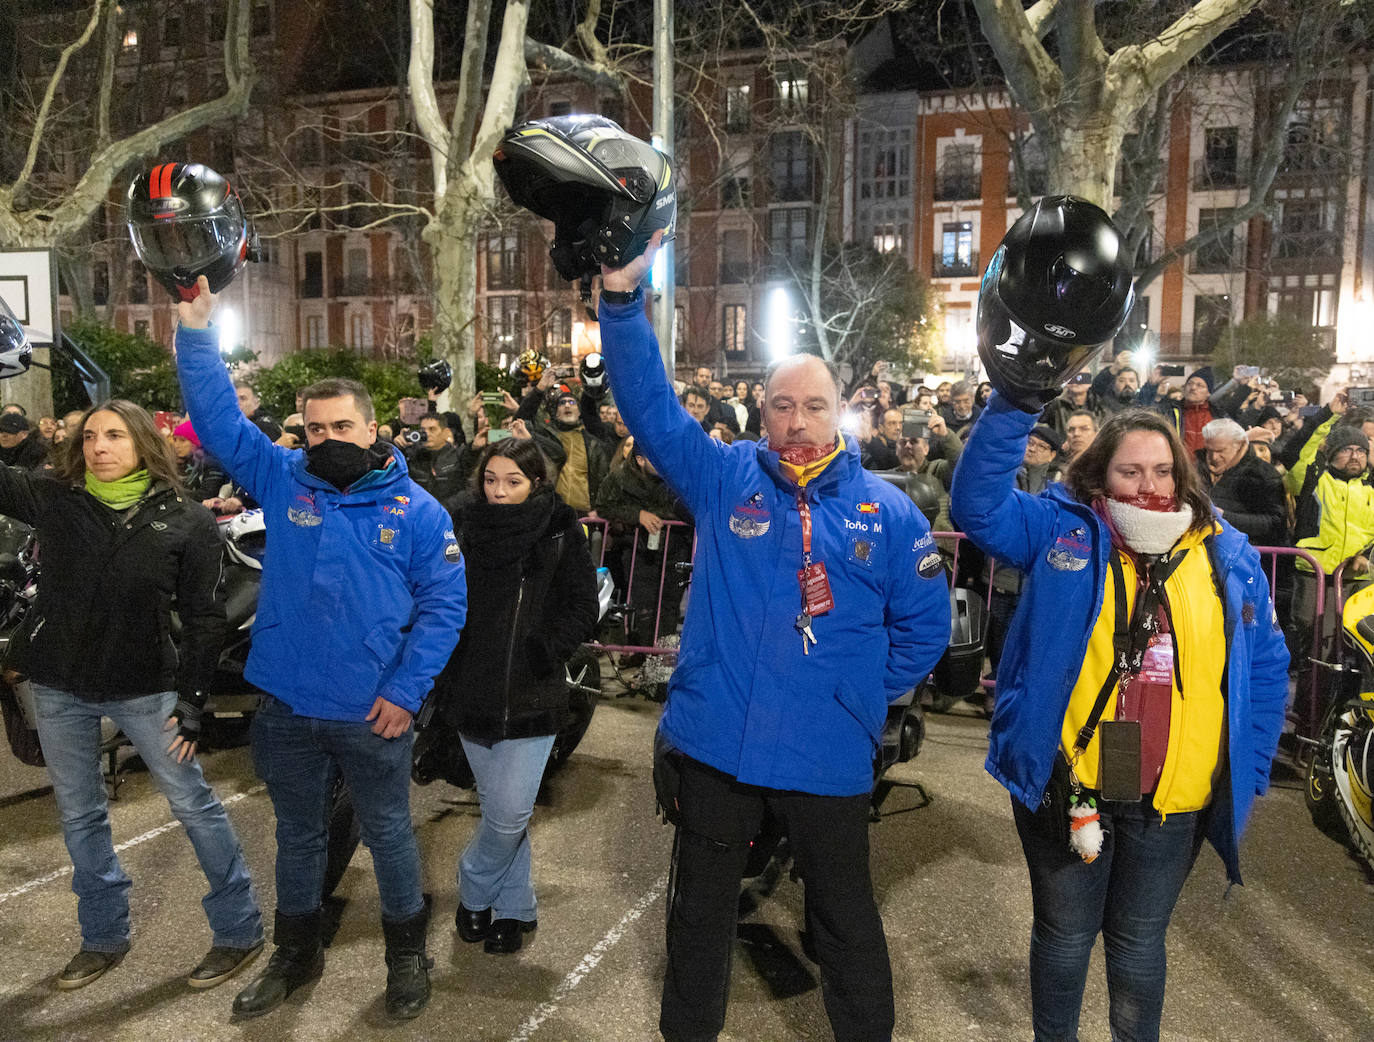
x=187 y=714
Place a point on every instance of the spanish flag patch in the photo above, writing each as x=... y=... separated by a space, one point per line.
x=868 y=508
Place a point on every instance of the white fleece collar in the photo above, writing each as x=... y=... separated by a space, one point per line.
x=1149 y=531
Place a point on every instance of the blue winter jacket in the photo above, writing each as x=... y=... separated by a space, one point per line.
x=363 y=592
x=1047 y=536
x=744 y=699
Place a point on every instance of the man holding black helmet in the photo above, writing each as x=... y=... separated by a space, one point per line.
x=817 y=598
x=363 y=597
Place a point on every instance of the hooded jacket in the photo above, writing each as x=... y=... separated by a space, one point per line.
x=1335 y=516
x=744 y=699
x=531 y=602
x=1064 y=548
x=362 y=591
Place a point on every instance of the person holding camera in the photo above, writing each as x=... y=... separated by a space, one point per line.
x=880 y=451
x=1141 y=688
x=579 y=457
x=435 y=462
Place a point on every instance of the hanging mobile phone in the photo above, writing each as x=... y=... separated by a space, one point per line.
x=1118 y=758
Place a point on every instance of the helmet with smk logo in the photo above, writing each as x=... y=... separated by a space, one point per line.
x=1056 y=290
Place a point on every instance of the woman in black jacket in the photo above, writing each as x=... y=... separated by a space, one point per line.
x=531 y=602
x=122 y=548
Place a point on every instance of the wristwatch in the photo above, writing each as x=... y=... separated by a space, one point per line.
x=615 y=296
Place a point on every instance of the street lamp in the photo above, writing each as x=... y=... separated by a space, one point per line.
x=781 y=337
x=227 y=321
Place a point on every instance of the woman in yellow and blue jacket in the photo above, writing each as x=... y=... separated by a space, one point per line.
x=1218 y=701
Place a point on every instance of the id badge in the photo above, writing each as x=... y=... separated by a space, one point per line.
x=815 y=588
x=1118 y=760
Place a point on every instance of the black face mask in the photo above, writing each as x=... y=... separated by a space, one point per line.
x=341 y=463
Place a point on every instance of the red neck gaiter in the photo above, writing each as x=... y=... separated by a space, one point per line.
x=801 y=455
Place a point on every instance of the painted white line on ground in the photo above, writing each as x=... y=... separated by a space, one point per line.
x=569 y=984
x=34 y=884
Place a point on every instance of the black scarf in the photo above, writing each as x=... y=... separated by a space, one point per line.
x=501 y=534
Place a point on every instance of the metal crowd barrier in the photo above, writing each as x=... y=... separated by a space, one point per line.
x=610 y=542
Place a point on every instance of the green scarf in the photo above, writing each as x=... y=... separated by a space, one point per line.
x=121 y=493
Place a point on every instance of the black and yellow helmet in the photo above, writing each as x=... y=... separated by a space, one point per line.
x=529 y=365
x=605 y=191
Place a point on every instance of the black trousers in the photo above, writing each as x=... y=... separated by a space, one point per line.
x=829 y=838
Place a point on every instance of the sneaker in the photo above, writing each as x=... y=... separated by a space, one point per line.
x=85 y=967
x=221 y=963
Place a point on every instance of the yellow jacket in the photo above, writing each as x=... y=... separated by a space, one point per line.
x=1198 y=716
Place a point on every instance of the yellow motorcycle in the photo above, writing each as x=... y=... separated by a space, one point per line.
x=1341 y=775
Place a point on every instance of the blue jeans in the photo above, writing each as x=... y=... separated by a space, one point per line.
x=1127 y=895
x=297 y=757
x=494 y=868
x=69 y=730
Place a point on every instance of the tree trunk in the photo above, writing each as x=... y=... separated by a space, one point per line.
x=452 y=237
x=1084 y=163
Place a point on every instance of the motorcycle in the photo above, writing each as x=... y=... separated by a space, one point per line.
x=1340 y=777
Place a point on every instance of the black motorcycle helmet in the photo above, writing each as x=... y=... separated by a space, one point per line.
x=1057 y=289
x=435 y=375
x=592 y=370
x=186 y=221
x=15 y=352
x=605 y=191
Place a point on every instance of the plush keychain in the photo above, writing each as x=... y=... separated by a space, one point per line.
x=1085 y=827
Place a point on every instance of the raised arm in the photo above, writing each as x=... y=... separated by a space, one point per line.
x=984 y=501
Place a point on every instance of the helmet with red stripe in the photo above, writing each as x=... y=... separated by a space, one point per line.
x=186 y=221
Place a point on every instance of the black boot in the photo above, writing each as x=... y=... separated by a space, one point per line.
x=407 y=965
x=297 y=960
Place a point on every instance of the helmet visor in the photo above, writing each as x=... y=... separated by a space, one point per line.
x=1034 y=362
x=192 y=244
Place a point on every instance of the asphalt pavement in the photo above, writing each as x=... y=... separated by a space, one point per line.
x=1289 y=956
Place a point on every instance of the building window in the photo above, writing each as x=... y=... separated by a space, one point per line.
x=1307 y=229
x=885 y=164
x=1034 y=166
x=679 y=325
x=734 y=329
x=957 y=177
x=262 y=18
x=141 y=327
x=558 y=333
x=1211 y=316
x=1220 y=253
x=1220 y=163
x=791 y=166
x=956 y=250
x=100 y=282
x=737 y=107
x=312 y=285
x=792 y=92
x=734 y=189
x=561 y=107
x=138 y=286
x=314 y=331
x=503 y=326
x=503 y=260
x=787 y=237
x=1136 y=326
x=171 y=30
x=131 y=40
x=734 y=256
x=891 y=232
x=359 y=331
x=1305 y=299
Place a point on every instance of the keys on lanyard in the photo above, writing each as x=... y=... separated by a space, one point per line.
x=815 y=585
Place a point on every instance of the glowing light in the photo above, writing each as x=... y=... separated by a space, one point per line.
x=227 y=321
x=781 y=338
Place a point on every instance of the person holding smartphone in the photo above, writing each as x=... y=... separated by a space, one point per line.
x=1141 y=688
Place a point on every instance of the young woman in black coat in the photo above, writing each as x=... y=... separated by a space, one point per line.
x=531 y=602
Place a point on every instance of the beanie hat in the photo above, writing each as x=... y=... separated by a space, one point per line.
x=1048 y=435
x=1344 y=436
x=185 y=430
x=13 y=423
x=1206 y=375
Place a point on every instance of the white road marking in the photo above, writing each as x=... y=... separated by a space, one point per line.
x=569 y=984
x=34 y=884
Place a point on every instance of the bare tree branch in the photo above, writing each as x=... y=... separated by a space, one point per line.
x=107 y=71
x=41 y=123
x=1030 y=71
x=1138 y=70
x=1040 y=17
x=602 y=76
x=420 y=79
x=467 y=105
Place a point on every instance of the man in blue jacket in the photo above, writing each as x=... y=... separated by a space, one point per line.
x=363 y=597
x=818 y=597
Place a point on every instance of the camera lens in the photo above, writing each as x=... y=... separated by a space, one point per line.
x=414 y=436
